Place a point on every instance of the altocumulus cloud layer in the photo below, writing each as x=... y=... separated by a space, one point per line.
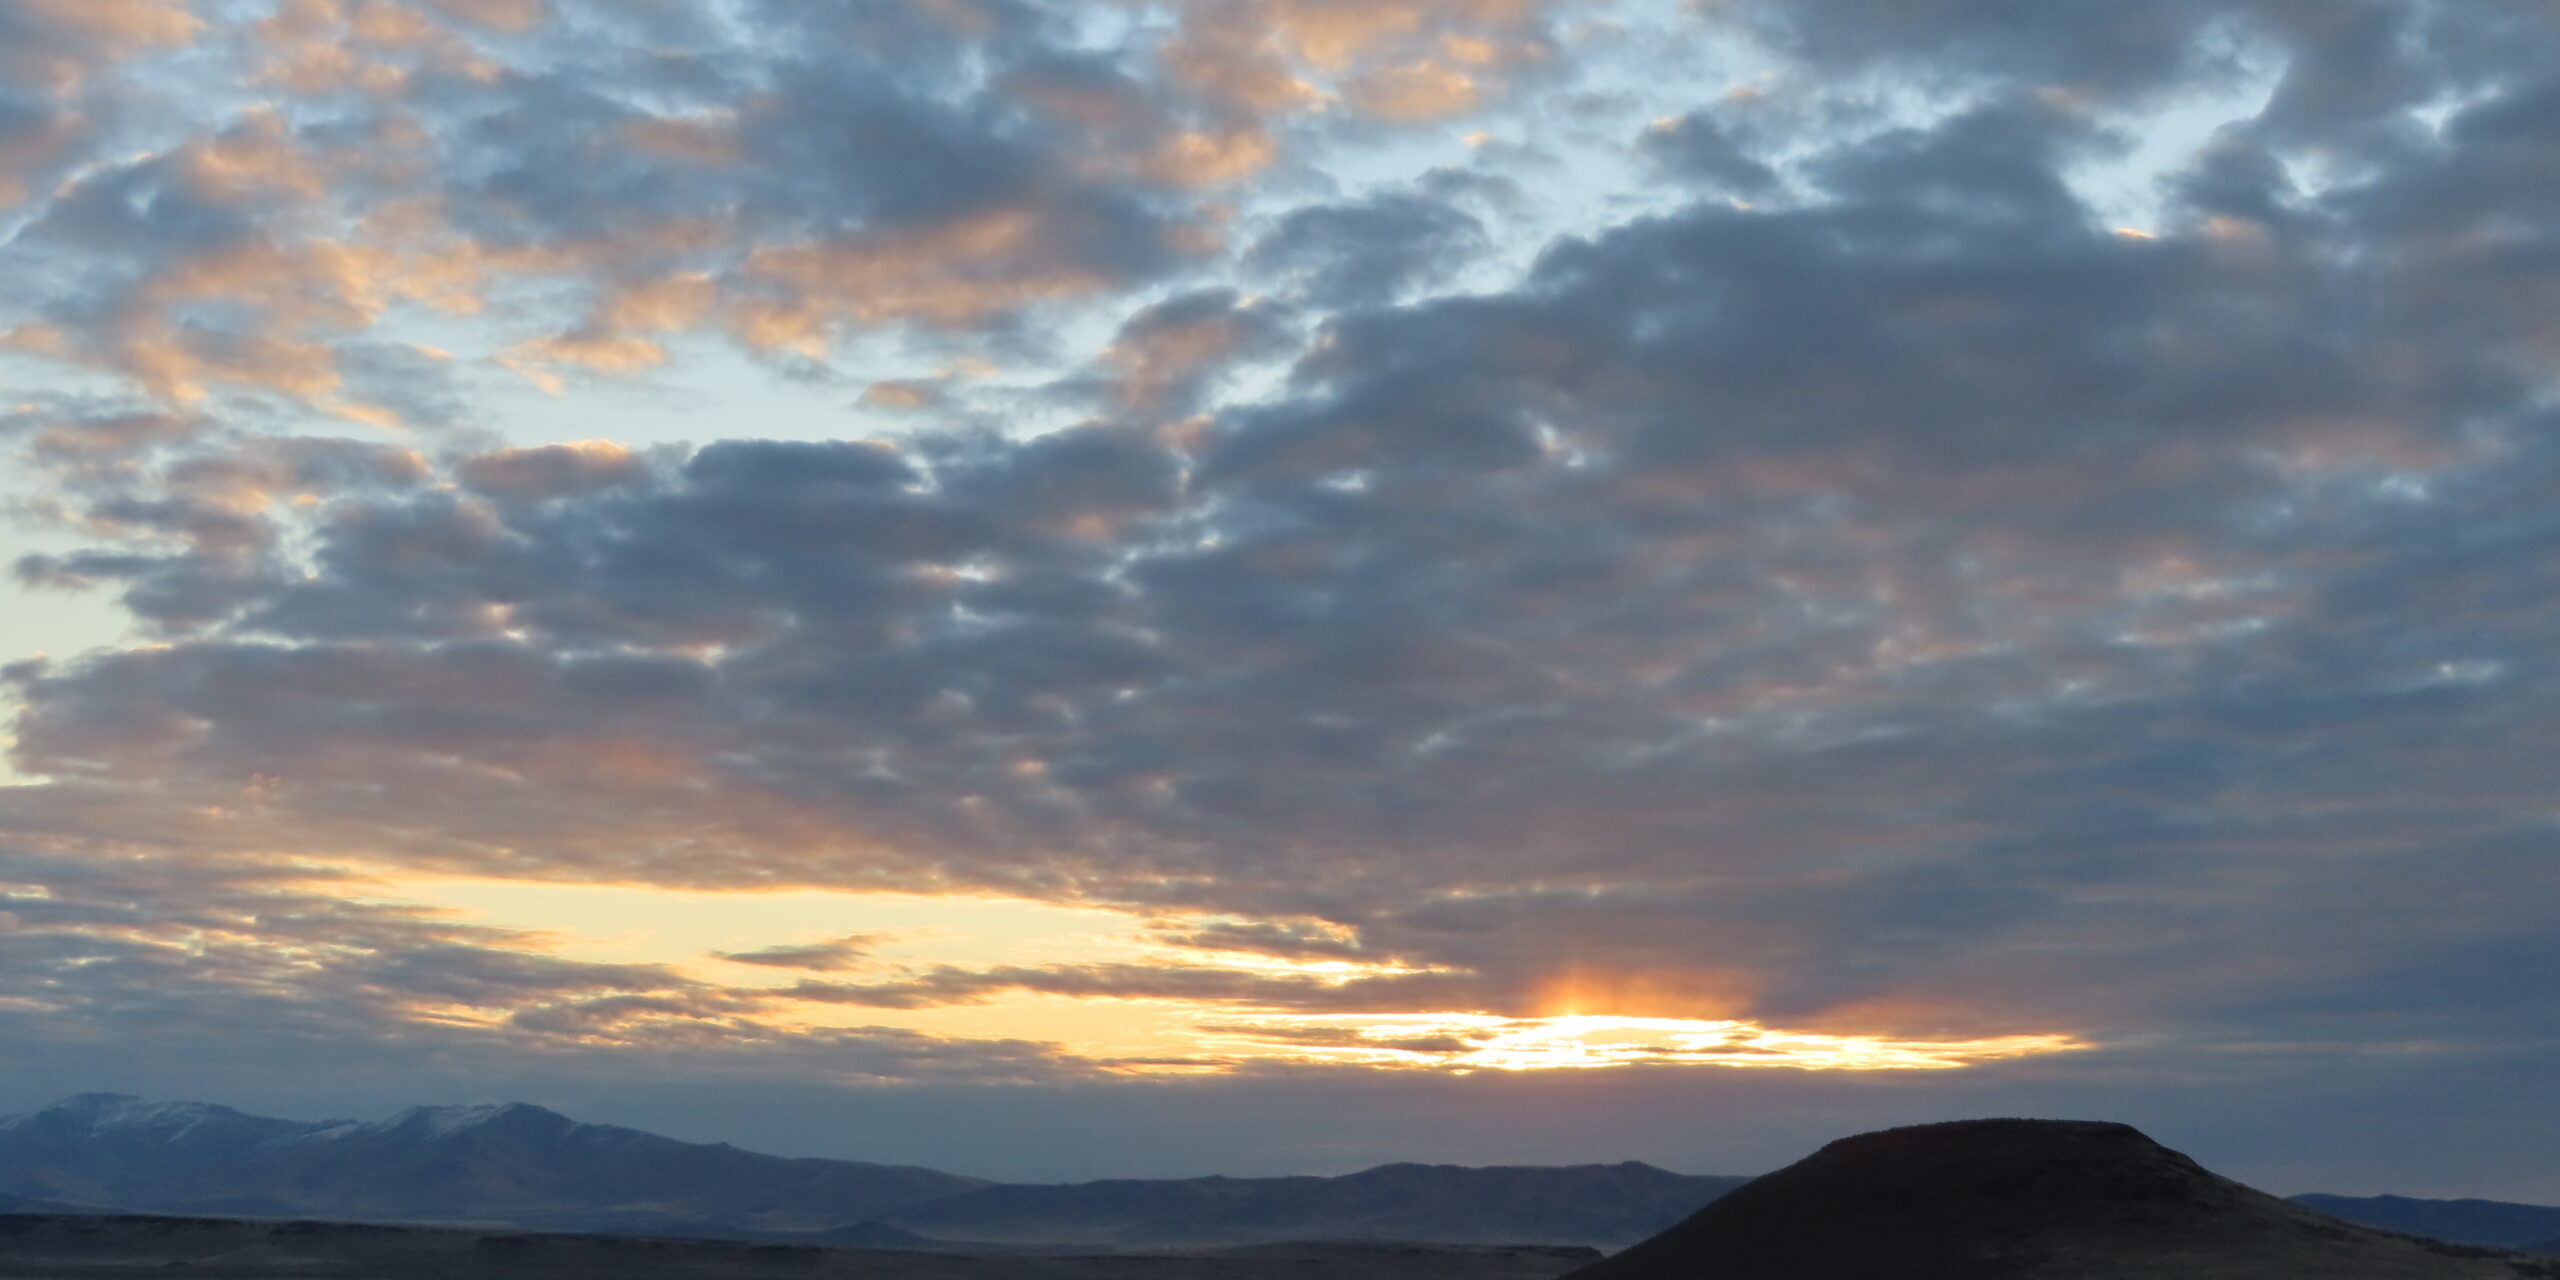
x=1939 y=522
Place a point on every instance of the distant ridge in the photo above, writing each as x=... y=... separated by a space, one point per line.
x=521 y=1166
x=2501 y=1223
x=2026 y=1200
x=1602 y=1205
x=22 y=1205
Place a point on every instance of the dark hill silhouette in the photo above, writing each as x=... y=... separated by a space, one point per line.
x=2026 y=1200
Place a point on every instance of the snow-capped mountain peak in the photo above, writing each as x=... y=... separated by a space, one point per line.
x=503 y=1162
x=103 y=1114
x=456 y=1121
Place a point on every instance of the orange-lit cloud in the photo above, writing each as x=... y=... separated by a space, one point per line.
x=511 y=16
x=1416 y=91
x=1196 y=157
x=1398 y=62
x=354 y=223
x=615 y=338
x=1488 y=1042
x=946 y=276
x=86 y=33
x=33 y=146
x=1166 y=355
x=1103 y=986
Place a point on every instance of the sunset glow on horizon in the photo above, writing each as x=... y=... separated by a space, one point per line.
x=793 y=957
x=1472 y=1042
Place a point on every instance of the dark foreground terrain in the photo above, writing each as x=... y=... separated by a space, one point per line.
x=78 y=1247
x=2029 y=1200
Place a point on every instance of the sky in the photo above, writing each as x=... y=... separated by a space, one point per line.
x=1154 y=587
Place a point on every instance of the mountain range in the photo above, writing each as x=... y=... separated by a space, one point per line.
x=522 y=1166
x=514 y=1164
x=1980 y=1200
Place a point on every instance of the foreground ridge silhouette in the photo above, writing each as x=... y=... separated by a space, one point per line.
x=2028 y=1200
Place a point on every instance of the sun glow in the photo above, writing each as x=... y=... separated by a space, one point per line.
x=1474 y=1041
x=1127 y=992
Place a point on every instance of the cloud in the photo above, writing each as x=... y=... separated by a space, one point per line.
x=552 y=471
x=945 y=985
x=56 y=44
x=244 y=256
x=1908 y=605
x=104 y=943
x=1398 y=63
x=35 y=137
x=1168 y=355
x=987 y=162
x=817 y=957
x=199 y=533
x=1698 y=147
x=1370 y=251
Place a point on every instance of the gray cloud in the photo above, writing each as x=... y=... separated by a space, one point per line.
x=1168 y=356
x=1699 y=148
x=2342 y=62
x=817 y=957
x=1908 y=603
x=1369 y=251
